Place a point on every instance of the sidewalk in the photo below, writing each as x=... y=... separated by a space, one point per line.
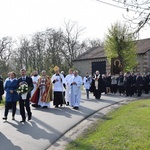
x=49 y=128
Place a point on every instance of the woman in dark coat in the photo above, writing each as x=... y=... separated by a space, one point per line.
x=12 y=97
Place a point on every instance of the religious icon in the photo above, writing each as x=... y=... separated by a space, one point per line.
x=117 y=66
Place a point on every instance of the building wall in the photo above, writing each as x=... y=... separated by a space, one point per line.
x=143 y=62
x=148 y=61
x=84 y=66
x=140 y=64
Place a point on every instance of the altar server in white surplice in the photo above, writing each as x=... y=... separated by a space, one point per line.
x=68 y=87
x=35 y=78
x=76 y=83
x=58 y=88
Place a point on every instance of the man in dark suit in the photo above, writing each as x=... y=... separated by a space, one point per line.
x=25 y=103
x=139 y=84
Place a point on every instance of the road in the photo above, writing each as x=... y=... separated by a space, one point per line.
x=48 y=125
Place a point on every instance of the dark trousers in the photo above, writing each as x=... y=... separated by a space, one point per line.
x=134 y=89
x=9 y=105
x=97 y=94
x=121 y=89
x=128 y=91
x=87 y=93
x=145 y=88
x=24 y=104
x=114 y=88
x=58 y=98
x=139 y=90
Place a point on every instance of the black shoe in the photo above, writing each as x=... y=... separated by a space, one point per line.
x=61 y=105
x=67 y=104
x=44 y=107
x=4 y=118
x=22 y=121
x=29 y=117
x=56 y=106
x=76 y=108
x=34 y=105
x=13 y=118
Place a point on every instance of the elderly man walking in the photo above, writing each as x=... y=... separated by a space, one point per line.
x=76 y=83
x=68 y=88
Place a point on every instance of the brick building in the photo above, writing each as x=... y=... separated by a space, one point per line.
x=95 y=59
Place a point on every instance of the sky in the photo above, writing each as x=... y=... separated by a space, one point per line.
x=25 y=17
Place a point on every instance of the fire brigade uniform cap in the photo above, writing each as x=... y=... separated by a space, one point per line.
x=56 y=68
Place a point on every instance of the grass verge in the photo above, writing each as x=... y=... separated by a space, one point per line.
x=126 y=128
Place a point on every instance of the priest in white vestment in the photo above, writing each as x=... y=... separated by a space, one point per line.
x=68 y=87
x=75 y=83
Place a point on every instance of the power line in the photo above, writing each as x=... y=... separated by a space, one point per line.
x=117 y=6
x=130 y=5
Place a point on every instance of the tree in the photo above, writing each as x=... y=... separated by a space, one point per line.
x=71 y=47
x=54 y=45
x=24 y=53
x=119 y=43
x=91 y=43
x=5 y=48
x=6 y=44
x=15 y=58
x=43 y=50
x=38 y=45
x=141 y=16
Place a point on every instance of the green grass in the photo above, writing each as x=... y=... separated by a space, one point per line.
x=126 y=128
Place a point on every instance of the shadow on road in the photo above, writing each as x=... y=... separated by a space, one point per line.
x=8 y=144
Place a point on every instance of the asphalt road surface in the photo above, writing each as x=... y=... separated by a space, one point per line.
x=48 y=125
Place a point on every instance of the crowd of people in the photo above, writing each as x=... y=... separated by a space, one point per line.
x=128 y=84
x=66 y=89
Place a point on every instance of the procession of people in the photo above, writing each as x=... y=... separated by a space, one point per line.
x=61 y=89
x=39 y=91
